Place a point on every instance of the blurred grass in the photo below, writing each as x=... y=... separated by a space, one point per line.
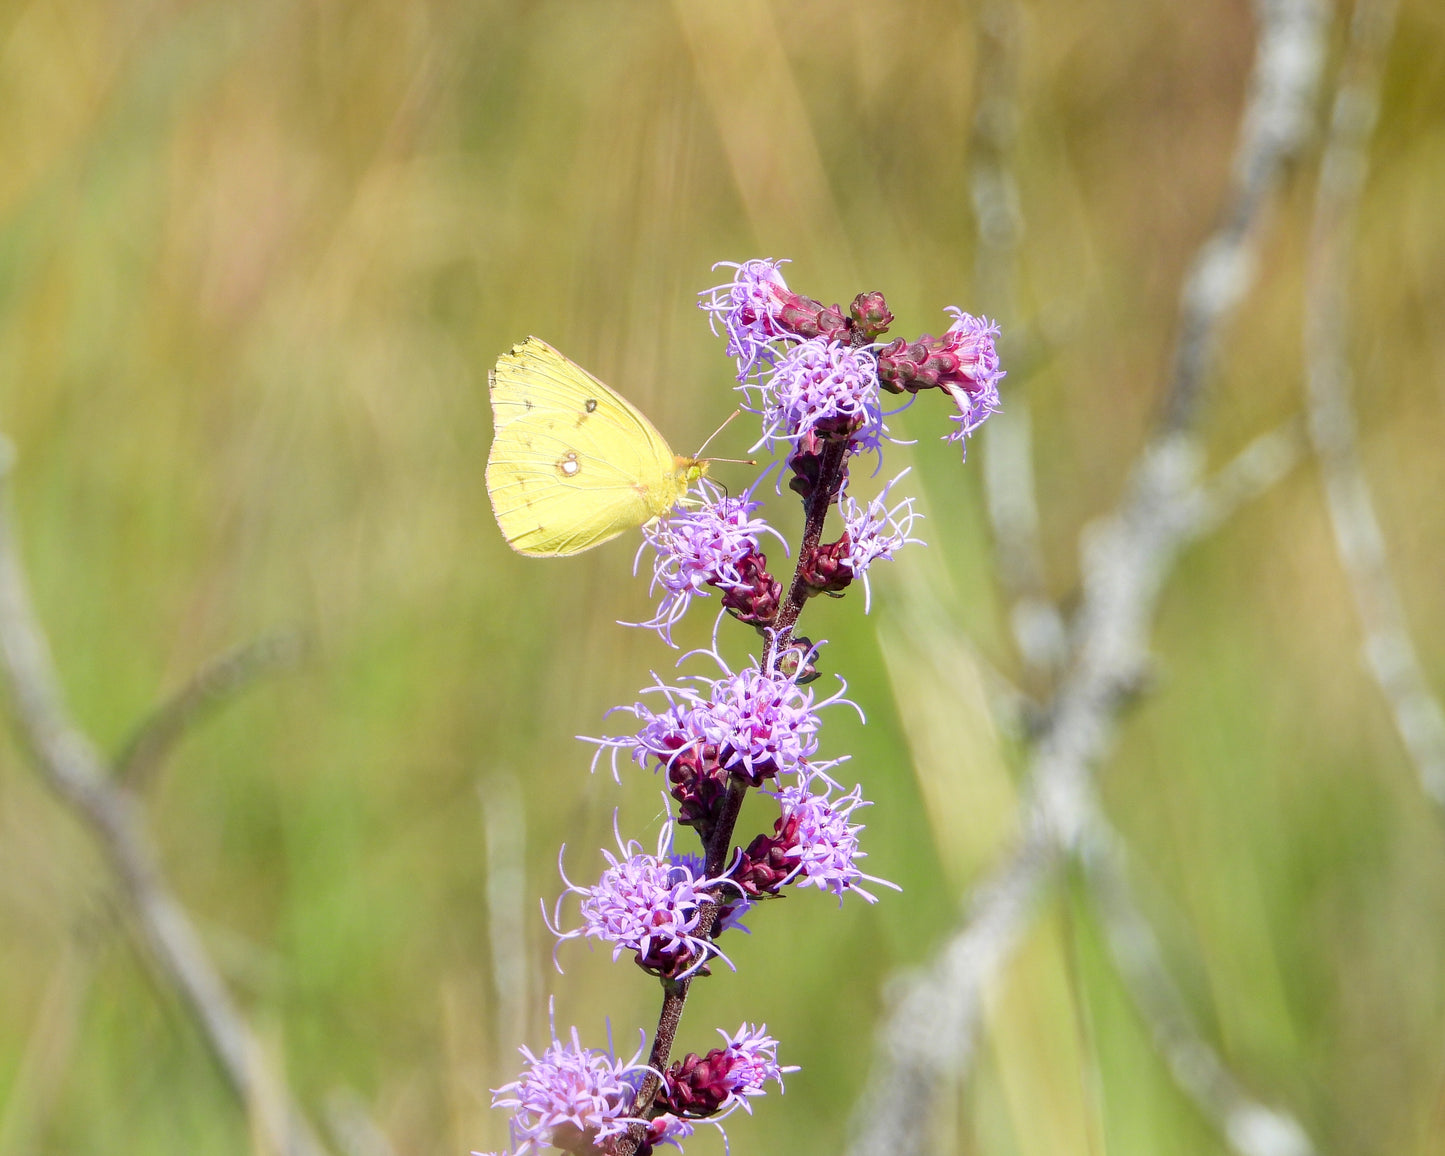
x=254 y=264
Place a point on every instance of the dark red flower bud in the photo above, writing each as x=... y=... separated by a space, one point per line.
x=762 y=867
x=963 y=359
x=699 y=785
x=809 y=318
x=665 y=964
x=697 y=1086
x=756 y=600
x=825 y=568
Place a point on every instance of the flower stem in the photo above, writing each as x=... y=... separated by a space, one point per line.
x=815 y=511
x=719 y=848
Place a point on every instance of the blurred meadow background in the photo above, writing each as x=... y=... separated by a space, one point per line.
x=255 y=261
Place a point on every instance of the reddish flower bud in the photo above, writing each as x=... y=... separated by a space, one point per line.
x=763 y=867
x=699 y=785
x=755 y=598
x=808 y=318
x=871 y=317
x=698 y=1086
x=827 y=567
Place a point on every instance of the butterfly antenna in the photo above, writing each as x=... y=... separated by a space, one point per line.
x=713 y=436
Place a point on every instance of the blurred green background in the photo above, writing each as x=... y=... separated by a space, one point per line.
x=255 y=260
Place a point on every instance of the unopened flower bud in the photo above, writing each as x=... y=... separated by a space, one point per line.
x=871 y=317
x=826 y=568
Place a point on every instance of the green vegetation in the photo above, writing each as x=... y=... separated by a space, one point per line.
x=255 y=261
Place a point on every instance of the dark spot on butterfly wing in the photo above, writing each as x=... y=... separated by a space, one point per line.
x=589 y=406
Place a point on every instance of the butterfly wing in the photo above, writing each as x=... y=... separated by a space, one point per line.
x=573 y=464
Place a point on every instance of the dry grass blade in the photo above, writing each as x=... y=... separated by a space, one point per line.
x=70 y=764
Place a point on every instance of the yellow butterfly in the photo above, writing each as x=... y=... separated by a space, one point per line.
x=573 y=464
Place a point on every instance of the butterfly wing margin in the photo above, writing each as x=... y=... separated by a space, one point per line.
x=572 y=463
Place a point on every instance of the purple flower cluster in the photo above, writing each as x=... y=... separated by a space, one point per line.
x=815 y=375
x=750 y=308
x=651 y=905
x=717 y=544
x=569 y=1097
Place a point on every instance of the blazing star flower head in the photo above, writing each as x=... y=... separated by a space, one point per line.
x=877 y=531
x=821 y=841
x=697 y=1087
x=826 y=388
x=701 y=547
x=647 y=904
x=759 y=723
x=974 y=385
x=748 y=307
x=570 y=1097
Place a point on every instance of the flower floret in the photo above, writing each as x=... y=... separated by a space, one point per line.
x=749 y=309
x=701 y=547
x=973 y=385
x=821 y=841
x=875 y=531
x=823 y=389
x=651 y=905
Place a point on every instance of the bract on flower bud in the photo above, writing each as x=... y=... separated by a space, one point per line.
x=755 y=596
x=700 y=787
x=808 y=319
x=825 y=569
x=763 y=867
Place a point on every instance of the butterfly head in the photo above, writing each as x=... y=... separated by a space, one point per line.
x=690 y=470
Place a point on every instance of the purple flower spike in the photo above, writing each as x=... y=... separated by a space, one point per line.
x=821 y=842
x=570 y=1097
x=697 y=548
x=974 y=383
x=650 y=905
x=877 y=531
x=823 y=390
x=749 y=308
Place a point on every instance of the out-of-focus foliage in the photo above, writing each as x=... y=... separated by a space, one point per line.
x=255 y=260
